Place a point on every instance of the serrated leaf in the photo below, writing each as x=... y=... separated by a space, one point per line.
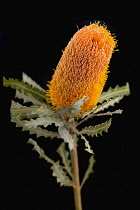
x=76 y=107
x=107 y=104
x=31 y=82
x=26 y=88
x=61 y=176
x=16 y=104
x=89 y=170
x=64 y=154
x=58 y=171
x=95 y=130
x=35 y=111
x=87 y=113
x=45 y=121
x=42 y=132
x=18 y=109
x=79 y=102
x=40 y=151
x=16 y=119
x=65 y=135
x=118 y=111
x=88 y=147
x=101 y=107
x=115 y=92
x=64 y=110
x=43 y=111
x=29 y=98
x=38 y=130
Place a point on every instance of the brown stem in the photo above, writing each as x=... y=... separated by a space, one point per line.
x=75 y=172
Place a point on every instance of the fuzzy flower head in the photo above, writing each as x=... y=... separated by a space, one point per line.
x=83 y=67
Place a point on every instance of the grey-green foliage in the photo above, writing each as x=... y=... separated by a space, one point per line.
x=115 y=92
x=89 y=170
x=40 y=114
x=97 y=129
x=64 y=154
x=57 y=169
x=25 y=88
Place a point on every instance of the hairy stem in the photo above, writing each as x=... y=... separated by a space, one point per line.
x=75 y=172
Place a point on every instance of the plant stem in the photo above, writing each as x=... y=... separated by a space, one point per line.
x=75 y=172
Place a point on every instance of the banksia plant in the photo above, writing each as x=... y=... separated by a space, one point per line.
x=73 y=96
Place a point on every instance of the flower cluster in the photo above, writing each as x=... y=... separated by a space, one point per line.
x=83 y=67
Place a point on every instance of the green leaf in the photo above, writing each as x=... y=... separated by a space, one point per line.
x=61 y=176
x=76 y=108
x=25 y=88
x=95 y=130
x=43 y=111
x=107 y=104
x=42 y=132
x=58 y=171
x=64 y=110
x=45 y=121
x=38 y=130
x=64 y=154
x=115 y=92
x=79 y=102
x=29 y=112
x=64 y=133
x=118 y=111
x=18 y=110
x=19 y=123
x=101 y=107
x=88 y=147
x=87 y=113
x=89 y=170
x=40 y=151
x=72 y=110
x=28 y=80
x=29 y=98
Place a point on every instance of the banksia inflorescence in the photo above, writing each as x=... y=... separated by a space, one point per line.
x=83 y=67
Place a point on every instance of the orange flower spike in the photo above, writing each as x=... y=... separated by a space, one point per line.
x=83 y=67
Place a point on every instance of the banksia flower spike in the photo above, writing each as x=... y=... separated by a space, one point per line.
x=83 y=67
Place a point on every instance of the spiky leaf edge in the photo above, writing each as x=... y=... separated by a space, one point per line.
x=38 y=130
x=98 y=129
x=25 y=88
x=64 y=154
x=57 y=169
x=89 y=170
x=115 y=92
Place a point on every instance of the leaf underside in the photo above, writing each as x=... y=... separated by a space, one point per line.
x=44 y=121
x=66 y=136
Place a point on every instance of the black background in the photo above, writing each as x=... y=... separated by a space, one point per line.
x=26 y=181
